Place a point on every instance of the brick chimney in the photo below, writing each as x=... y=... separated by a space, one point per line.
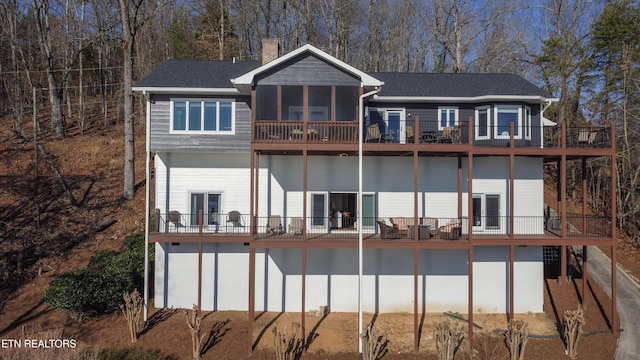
x=270 y=50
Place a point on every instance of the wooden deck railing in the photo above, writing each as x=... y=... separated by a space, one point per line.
x=436 y=228
x=415 y=131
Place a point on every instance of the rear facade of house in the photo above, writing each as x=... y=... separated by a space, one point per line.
x=258 y=170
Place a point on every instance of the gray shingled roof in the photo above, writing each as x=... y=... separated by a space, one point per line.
x=218 y=74
x=455 y=85
x=197 y=73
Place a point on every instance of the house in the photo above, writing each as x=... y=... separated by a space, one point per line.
x=259 y=168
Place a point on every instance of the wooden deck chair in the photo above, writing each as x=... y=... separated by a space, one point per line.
x=295 y=227
x=373 y=133
x=274 y=225
x=410 y=135
x=445 y=136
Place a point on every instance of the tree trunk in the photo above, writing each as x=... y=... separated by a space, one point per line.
x=44 y=35
x=129 y=145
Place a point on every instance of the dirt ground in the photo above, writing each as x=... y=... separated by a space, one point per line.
x=330 y=337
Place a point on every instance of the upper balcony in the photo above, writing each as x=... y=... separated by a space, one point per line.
x=416 y=131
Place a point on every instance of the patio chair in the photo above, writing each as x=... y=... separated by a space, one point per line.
x=446 y=135
x=388 y=231
x=235 y=218
x=373 y=133
x=587 y=137
x=409 y=134
x=175 y=218
x=274 y=225
x=295 y=227
x=451 y=231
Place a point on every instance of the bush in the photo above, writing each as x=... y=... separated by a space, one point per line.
x=98 y=288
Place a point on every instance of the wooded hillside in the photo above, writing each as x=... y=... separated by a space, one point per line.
x=68 y=66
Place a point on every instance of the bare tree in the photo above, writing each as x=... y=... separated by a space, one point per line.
x=458 y=28
x=41 y=8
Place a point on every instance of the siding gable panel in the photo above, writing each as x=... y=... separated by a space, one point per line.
x=307 y=70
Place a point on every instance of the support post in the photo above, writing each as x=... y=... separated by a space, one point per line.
x=252 y=298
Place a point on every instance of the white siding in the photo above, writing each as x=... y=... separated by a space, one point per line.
x=184 y=174
x=332 y=273
x=332 y=279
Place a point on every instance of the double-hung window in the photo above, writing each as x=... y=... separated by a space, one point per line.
x=202 y=115
x=504 y=116
x=448 y=117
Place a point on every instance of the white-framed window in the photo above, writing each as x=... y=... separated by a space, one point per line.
x=504 y=115
x=316 y=113
x=483 y=123
x=486 y=211
x=210 y=203
x=447 y=117
x=202 y=115
x=527 y=123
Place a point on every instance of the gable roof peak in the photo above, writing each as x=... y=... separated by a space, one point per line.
x=244 y=82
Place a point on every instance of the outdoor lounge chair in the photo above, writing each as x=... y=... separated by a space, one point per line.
x=295 y=227
x=274 y=225
x=587 y=137
x=373 y=133
x=451 y=231
x=175 y=218
x=410 y=135
x=388 y=231
x=445 y=136
x=235 y=219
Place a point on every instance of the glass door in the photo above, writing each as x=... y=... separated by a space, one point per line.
x=210 y=211
x=395 y=128
x=476 y=212
x=493 y=211
x=368 y=213
x=319 y=212
x=486 y=212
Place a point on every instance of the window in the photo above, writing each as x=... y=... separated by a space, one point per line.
x=483 y=116
x=210 y=204
x=504 y=116
x=316 y=113
x=527 y=123
x=448 y=117
x=203 y=116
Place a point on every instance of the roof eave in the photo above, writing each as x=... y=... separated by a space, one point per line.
x=186 y=90
x=453 y=99
x=248 y=78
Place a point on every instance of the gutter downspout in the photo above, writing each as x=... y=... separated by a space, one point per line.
x=359 y=216
x=145 y=316
x=549 y=102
